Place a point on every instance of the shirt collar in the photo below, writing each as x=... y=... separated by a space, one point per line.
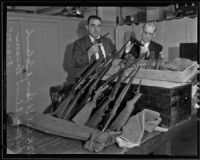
x=145 y=44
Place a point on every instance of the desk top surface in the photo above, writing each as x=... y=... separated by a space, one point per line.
x=24 y=140
x=37 y=142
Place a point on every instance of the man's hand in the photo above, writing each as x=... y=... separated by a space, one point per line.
x=93 y=50
x=128 y=47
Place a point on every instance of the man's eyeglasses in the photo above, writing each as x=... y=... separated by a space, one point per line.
x=147 y=33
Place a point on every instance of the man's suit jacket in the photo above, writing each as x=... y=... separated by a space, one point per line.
x=154 y=48
x=81 y=46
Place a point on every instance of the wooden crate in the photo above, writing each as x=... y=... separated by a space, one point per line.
x=174 y=104
x=161 y=75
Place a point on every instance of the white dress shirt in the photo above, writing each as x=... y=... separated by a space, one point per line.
x=102 y=48
x=146 y=45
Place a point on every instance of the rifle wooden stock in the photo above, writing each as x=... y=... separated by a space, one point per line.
x=97 y=116
x=70 y=110
x=124 y=115
x=84 y=114
x=58 y=112
x=120 y=98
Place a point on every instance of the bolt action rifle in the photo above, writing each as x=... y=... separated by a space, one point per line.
x=108 y=117
x=124 y=115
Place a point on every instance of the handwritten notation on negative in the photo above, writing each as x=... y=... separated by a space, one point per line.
x=9 y=46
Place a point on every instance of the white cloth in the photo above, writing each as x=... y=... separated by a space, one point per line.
x=133 y=131
x=102 y=48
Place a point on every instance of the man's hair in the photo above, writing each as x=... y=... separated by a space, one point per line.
x=151 y=24
x=93 y=17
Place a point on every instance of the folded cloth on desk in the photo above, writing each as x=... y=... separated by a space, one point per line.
x=133 y=131
x=98 y=141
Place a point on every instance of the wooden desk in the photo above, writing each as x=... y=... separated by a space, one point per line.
x=157 y=142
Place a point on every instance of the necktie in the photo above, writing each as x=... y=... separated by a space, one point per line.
x=100 y=52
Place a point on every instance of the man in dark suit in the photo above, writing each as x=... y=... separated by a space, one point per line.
x=153 y=49
x=84 y=51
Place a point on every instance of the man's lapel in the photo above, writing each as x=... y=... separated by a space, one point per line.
x=88 y=42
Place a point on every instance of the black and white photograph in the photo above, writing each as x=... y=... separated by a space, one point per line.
x=99 y=80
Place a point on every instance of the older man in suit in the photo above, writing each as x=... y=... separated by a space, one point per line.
x=153 y=49
x=85 y=51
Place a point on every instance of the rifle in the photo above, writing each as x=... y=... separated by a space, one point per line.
x=120 y=98
x=71 y=110
x=122 y=118
x=97 y=117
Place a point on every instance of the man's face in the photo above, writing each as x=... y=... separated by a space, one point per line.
x=94 y=28
x=147 y=33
